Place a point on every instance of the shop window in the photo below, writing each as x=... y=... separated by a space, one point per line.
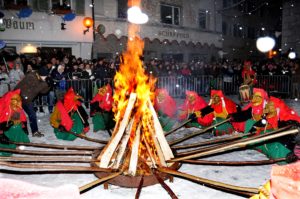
x=122 y=8
x=170 y=14
x=203 y=19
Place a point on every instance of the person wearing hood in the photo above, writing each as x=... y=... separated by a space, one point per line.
x=221 y=108
x=69 y=116
x=165 y=107
x=192 y=108
x=13 y=124
x=251 y=113
x=101 y=109
x=277 y=115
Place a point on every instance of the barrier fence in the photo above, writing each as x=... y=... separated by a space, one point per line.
x=277 y=84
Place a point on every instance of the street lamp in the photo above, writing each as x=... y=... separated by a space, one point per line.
x=87 y=22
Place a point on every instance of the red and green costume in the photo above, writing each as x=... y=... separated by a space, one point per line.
x=69 y=116
x=165 y=107
x=12 y=120
x=101 y=109
x=277 y=112
x=193 y=104
x=222 y=107
x=257 y=108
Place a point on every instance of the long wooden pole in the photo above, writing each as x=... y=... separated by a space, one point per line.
x=84 y=137
x=139 y=189
x=185 y=153
x=246 y=191
x=211 y=141
x=55 y=153
x=177 y=127
x=48 y=159
x=54 y=167
x=164 y=185
x=55 y=146
x=196 y=133
x=241 y=144
x=98 y=181
x=234 y=163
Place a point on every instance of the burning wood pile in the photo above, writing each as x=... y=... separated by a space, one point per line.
x=138 y=142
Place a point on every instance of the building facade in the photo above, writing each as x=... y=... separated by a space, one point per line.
x=182 y=30
x=245 y=21
x=45 y=27
x=291 y=26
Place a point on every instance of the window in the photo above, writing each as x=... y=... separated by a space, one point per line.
x=39 y=5
x=170 y=14
x=60 y=5
x=237 y=30
x=79 y=7
x=203 y=19
x=14 y=4
x=122 y=8
x=65 y=6
x=224 y=28
x=251 y=32
x=226 y=3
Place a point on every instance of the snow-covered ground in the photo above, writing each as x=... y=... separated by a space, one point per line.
x=248 y=176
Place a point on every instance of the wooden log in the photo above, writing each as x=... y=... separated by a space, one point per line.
x=55 y=146
x=54 y=167
x=164 y=185
x=47 y=159
x=86 y=187
x=123 y=145
x=197 y=133
x=245 y=191
x=134 y=152
x=234 y=163
x=84 y=137
x=185 y=153
x=55 y=153
x=238 y=145
x=161 y=158
x=139 y=189
x=211 y=141
x=178 y=127
x=168 y=154
x=151 y=155
x=109 y=149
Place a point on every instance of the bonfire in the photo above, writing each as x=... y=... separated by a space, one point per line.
x=138 y=153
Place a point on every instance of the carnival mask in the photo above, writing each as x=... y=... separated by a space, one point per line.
x=15 y=102
x=216 y=99
x=257 y=99
x=270 y=109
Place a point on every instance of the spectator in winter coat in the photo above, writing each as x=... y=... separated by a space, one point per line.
x=15 y=75
x=32 y=85
x=4 y=81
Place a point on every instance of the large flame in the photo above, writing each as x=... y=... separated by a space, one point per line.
x=131 y=78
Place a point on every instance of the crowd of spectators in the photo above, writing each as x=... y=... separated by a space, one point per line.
x=62 y=67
